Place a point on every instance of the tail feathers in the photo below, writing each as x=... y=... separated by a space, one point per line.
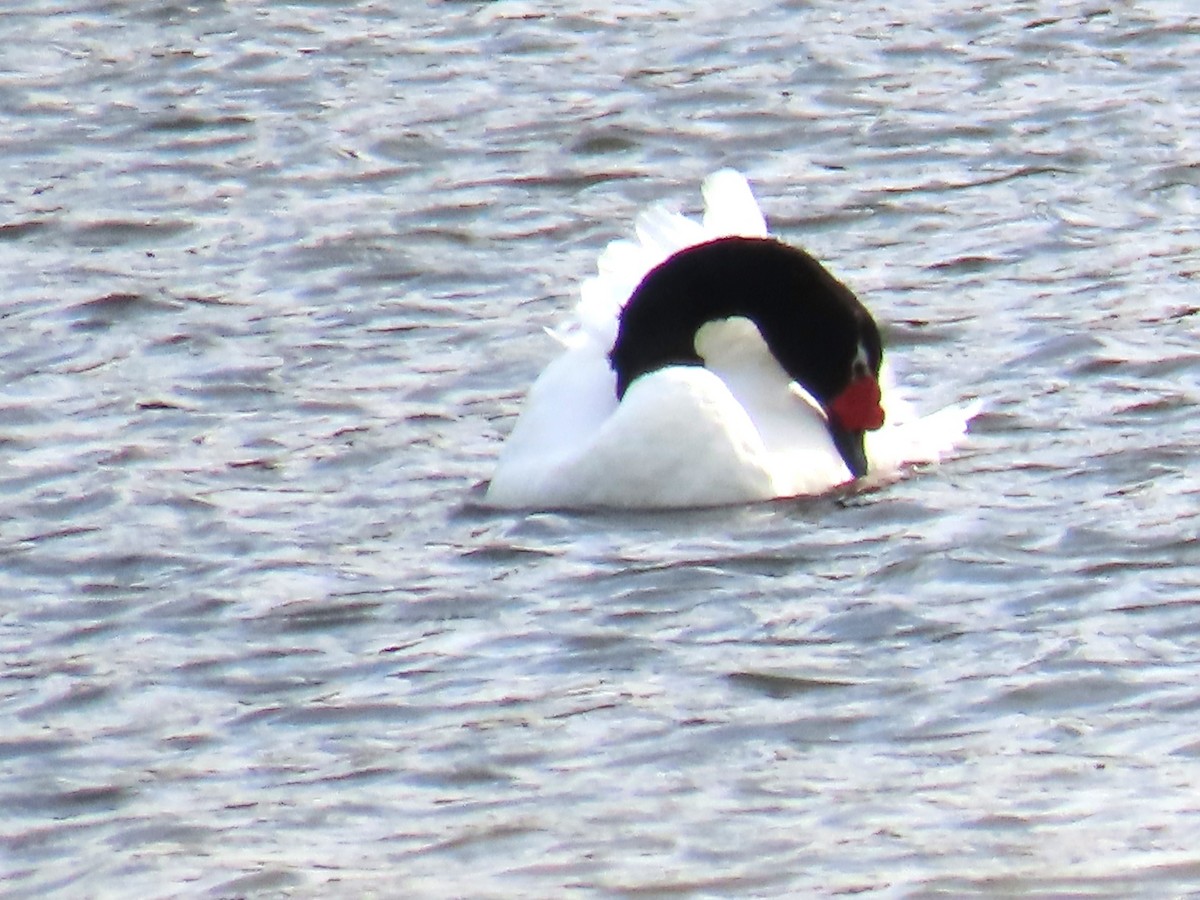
x=730 y=207
x=663 y=232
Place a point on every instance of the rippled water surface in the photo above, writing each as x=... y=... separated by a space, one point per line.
x=275 y=279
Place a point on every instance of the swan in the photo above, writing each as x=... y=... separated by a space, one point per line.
x=708 y=363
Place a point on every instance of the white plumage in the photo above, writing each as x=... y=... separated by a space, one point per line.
x=737 y=429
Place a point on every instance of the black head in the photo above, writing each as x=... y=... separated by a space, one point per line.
x=820 y=333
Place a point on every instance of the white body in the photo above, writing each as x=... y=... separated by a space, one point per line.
x=734 y=431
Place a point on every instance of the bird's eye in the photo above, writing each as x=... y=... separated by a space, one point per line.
x=862 y=363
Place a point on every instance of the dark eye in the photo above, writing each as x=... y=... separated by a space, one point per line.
x=862 y=365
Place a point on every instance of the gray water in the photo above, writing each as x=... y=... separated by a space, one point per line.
x=275 y=279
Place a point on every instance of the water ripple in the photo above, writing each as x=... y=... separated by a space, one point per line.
x=276 y=283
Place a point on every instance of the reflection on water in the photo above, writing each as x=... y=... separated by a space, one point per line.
x=275 y=285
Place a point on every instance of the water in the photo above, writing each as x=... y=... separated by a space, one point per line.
x=275 y=280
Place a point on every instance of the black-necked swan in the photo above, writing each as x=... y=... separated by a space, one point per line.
x=709 y=364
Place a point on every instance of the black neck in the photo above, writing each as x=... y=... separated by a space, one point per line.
x=813 y=324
